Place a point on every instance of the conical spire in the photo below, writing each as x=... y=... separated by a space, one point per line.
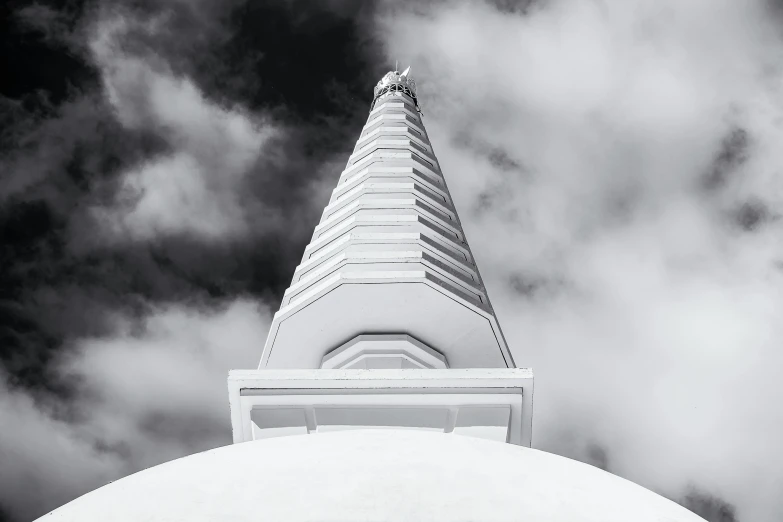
x=388 y=273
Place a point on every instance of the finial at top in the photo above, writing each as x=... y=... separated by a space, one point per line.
x=395 y=83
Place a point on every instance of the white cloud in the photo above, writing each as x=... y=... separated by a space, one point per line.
x=153 y=391
x=195 y=187
x=653 y=328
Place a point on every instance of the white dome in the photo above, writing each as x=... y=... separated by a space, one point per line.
x=378 y=475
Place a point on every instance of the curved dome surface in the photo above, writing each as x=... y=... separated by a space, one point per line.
x=378 y=475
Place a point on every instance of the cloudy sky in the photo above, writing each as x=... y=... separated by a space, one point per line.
x=616 y=165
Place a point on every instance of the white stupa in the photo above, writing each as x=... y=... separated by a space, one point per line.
x=373 y=475
x=386 y=338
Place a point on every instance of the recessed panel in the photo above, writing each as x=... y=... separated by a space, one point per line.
x=490 y=415
x=400 y=417
x=277 y=422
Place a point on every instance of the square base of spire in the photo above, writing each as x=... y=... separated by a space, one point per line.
x=494 y=403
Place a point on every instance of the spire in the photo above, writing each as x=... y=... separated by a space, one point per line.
x=388 y=270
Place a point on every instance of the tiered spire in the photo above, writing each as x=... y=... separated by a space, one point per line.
x=388 y=279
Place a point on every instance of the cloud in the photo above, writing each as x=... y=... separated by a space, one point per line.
x=196 y=186
x=616 y=166
x=152 y=390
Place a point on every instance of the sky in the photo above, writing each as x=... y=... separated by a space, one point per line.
x=615 y=164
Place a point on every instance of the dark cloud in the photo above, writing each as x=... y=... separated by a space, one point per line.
x=498 y=194
x=39 y=53
x=534 y=287
x=732 y=154
x=337 y=63
x=4 y=514
x=711 y=508
x=598 y=456
x=518 y=7
x=495 y=155
x=751 y=215
x=193 y=433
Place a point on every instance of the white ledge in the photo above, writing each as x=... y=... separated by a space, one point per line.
x=266 y=396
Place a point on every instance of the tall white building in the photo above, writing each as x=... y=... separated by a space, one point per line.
x=386 y=326
x=387 y=284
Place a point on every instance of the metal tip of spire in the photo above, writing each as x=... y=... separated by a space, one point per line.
x=394 y=83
